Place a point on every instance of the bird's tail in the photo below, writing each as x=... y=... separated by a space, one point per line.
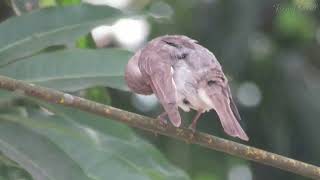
x=230 y=118
x=232 y=127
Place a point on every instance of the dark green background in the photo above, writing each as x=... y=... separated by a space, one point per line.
x=287 y=120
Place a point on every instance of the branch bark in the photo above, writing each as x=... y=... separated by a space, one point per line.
x=149 y=124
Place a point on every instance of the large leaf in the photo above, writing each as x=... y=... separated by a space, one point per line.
x=37 y=154
x=104 y=149
x=68 y=2
x=6 y=96
x=72 y=70
x=24 y=35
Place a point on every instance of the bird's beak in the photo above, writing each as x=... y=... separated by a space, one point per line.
x=223 y=105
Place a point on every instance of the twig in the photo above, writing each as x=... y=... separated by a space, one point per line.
x=149 y=124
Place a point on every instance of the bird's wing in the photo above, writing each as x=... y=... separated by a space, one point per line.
x=161 y=78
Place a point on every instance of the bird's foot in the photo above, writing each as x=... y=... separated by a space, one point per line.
x=193 y=124
x=163 y=122
x=162 y=119
x=192 y=127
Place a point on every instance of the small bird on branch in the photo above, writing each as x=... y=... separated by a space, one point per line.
x=182 y=73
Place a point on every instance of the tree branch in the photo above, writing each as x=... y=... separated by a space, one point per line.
x=149 y=124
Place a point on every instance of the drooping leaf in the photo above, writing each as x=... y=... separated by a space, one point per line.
x=23 y=6
x=37 y=154
x=5 y=95
x=7 y=162
x=10 y=170
x=104 y=149
x=73 y=69
x=68 y=2
x=24 y=35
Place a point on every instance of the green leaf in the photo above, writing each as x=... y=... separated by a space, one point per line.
x=27 y=34
x=7 y=162
x=292 y=23
x=6 y=95
x=14 y=173
x=98 y=94
x=86 y=42
x=104 y=149
x=47 y=3
x=37 y=154
x=72 y=70
x=68 y=2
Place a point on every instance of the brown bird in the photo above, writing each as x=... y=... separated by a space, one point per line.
x=182 y=73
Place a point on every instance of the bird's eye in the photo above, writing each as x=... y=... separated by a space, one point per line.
x=182 y=56
x=185 y=101
x=211 y=82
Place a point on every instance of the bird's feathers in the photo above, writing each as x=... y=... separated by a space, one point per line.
x=225 y=108
x=133 y=76
x=178 y=71
x=160 y=79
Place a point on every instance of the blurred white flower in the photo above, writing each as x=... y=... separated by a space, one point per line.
x=240 y=172
x=131 y=33
x=249 y=94
x=160 y=9
x=260 y=46
x=121 y=4
x=102 y=35
x=144 y=103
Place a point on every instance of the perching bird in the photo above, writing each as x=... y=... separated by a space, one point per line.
x=182 y=73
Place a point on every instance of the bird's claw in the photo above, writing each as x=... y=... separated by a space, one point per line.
x=192 y=128
x=163 y=121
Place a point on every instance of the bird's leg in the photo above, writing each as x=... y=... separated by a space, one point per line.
x=162 y=118
x=193 y=125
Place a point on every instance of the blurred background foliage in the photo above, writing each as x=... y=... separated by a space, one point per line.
x=268 y=49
